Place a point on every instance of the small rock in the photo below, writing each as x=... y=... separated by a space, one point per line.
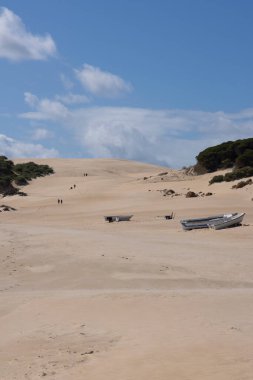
x=88 y=352
x=191 y=194
x=164 y=173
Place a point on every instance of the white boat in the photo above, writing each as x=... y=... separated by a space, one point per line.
x=197 y=223
x=216 y=221
x=231 y=220
x=117 y=218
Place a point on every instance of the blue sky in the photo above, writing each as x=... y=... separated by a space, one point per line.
x=155 y=81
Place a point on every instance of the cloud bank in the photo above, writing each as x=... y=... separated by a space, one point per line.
x=14 y=148
x=168 y=137
x=17 y=44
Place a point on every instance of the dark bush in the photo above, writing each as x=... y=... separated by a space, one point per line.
x=238 y=174
x=241 y=184
x=6 y=166
x=232 y=176
x=245 y=159
x=21 y=180
x=9 y=190
x=216 y=179
x=19 y=174
x=227 y=163
x=31 y=170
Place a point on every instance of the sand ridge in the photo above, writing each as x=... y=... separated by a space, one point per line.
x=82 y=298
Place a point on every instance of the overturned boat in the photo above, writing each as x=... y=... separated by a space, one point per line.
x=117 y=218
x=216 y=222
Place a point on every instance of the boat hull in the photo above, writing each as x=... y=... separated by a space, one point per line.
x=198 y=223
x=118 y=218
x=216 y=222
x=229 y=222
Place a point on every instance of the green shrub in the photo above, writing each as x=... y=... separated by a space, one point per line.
x=243 y=172
x=216 y=179
x=6 y=174
x=19 y=173
x=228 y=177
x=245 y=159
x=227 y=163
x=6 y=166
x=31 y=170
x=232 y=176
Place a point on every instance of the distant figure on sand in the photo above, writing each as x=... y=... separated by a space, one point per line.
x=59 y=201
x=74 y=186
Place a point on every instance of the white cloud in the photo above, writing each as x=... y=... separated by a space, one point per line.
x=30 y=99
x=17 y=44
x=67 y=83
x=73 y=98
x=102 y=83
x=171 y=137
x=14 y=148
x=41 y=134
x=45 y=109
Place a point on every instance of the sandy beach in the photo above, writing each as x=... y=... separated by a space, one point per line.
x=86 y=299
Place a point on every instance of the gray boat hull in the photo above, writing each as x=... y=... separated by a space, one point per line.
x=216 y=222
x=118 y=218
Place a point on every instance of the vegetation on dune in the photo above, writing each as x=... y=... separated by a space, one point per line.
x=6 y=176
x=232 y=176
x=19 y=174
x=237 y=155
x=231 y=154
x=31 y=170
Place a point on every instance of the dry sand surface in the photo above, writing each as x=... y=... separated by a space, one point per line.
x=86 y=299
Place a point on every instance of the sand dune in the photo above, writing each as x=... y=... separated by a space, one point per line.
x=86 y=299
